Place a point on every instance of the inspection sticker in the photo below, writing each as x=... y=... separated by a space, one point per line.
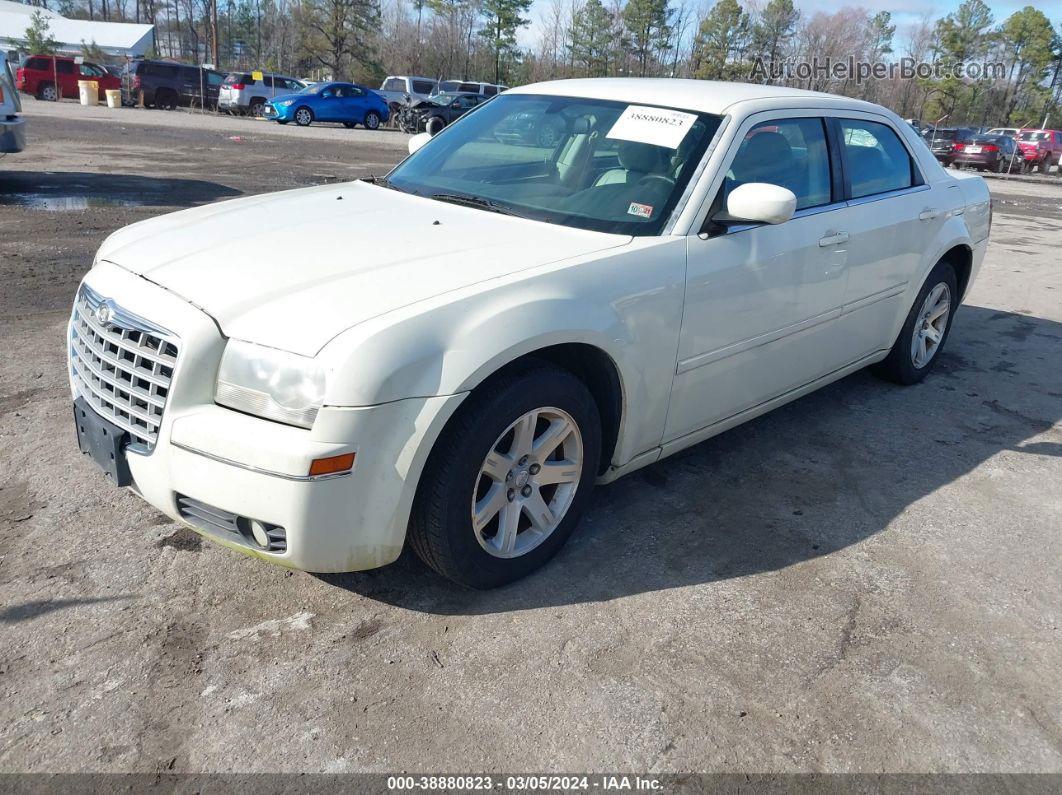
x=655 y=126
x=641 y=210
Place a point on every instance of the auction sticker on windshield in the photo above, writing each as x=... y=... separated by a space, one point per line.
x=656 y=126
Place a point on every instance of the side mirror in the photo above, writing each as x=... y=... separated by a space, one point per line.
x=417 y=141
x=759 y=202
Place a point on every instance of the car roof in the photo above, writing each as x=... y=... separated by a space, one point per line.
x=707 y=96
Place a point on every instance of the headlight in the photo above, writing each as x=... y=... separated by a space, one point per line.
x=269 y=383
x=285 y=103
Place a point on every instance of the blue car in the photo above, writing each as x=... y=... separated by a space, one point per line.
x=346 y=103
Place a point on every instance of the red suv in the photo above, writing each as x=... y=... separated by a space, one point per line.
x=1040 y=149
x=38 y=75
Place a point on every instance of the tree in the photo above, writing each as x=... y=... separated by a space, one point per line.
x=591 y=40
x=336 y=33
x=1027 y=36
x=723 y=33
x=93 y=52
x=648 y=30
x=39 y=39
x=773 y=32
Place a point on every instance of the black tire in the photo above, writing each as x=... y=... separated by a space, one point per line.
x=899 y=366
x=440 y=528
x=434 y=125
x=372 y=120
x=282 y=121
x=349 y=125
x=256 y=108
x=303 y=116
x=166 y=99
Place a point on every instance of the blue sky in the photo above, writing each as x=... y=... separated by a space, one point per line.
x=905 y=13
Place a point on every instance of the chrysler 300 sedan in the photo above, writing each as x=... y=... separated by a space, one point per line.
x=682 y=257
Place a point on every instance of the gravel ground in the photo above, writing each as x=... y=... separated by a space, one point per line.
x=865 y=580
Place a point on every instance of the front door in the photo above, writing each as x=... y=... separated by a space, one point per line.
x=762 y=300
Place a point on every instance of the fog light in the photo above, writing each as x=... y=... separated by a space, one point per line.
x=258 y=531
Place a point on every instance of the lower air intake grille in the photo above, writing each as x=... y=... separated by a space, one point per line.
x=230 y=526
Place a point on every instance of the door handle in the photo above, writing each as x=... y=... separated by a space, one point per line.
x=928 y=214
x=836 y=237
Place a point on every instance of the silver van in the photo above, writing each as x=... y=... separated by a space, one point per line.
x=407 y=89
x=470 y=87
x=241 y=93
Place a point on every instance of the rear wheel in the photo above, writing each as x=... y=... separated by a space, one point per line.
x=304 y=116
x=165 y=99
x=256 y=108
x=372 y=120
x=508 y=479
x=925 y=330
x=47 y=92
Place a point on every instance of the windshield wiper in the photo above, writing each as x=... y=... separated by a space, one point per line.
x=475 y=201
x=383 y=182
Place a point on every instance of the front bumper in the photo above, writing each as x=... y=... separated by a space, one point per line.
x=12 y=134
x=258 y=469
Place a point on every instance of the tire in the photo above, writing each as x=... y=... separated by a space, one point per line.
x=47 y=92
x=372 y=120
x=1045 y=166
x=256 y=108
x=903 y=364
x=441 y=529
x=282 y=121
x=303 y=116
x=349 y=125
x=434 y=125
x=165 y=100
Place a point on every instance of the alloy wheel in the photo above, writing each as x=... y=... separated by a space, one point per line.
x=930 y=326
x=48 y=94
x=527 y=482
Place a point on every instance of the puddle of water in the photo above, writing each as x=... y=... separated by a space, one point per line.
x=50 y=203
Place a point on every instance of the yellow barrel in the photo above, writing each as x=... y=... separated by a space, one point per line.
x=114 y=97
x=89 y=91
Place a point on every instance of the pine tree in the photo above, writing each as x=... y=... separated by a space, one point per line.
x=722 y=36
x=591 y=39
x=39 y=39
x=504 y=18
x=774 y=30
x=648 y=30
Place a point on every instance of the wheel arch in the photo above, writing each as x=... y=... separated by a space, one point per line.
x=961 y=258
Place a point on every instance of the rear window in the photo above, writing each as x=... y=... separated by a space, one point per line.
x=448 y=85
x=472 y=87
x=423 y=86
x=1033 y=136
x=65 y=67
x=490 y=91
x=394 y=84
x=235 y=79
x=38 y=63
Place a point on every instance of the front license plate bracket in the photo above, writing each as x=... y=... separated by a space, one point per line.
x=102 y=441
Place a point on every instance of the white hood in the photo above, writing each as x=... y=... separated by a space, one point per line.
x=292 y=270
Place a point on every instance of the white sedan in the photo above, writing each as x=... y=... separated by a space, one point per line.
x=685 y=256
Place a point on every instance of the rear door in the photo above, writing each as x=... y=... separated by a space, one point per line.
x=892 y=221
x=68 y=77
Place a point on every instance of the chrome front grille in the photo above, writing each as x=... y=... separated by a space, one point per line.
x=121 y=364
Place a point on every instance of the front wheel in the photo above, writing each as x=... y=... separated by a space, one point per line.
x=304 y=117
x=372 y=120
x=508 y=479
x=925 y=330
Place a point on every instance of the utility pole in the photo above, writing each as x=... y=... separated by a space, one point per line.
x=214 y=34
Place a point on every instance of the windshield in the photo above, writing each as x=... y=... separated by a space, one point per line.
x=313 y=88
x=444 y=99
x=1033 y=136
x=587 y=163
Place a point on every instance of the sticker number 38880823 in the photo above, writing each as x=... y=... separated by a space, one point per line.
x=656 y=126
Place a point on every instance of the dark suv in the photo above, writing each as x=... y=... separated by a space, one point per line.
x=165 y=84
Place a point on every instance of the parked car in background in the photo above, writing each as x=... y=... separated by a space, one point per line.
x=403 y=90
x=167 y=84
x=1040 y=149
x=986 y=153
x=12 y=125
x=346 y=103
x=941 y=139
x=453 y=355
x=38 y=74
x=241 y=93
x=470 y=87
x=435 y=113
x=1011 y=131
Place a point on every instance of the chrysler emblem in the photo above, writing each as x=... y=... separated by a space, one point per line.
x=104 y=314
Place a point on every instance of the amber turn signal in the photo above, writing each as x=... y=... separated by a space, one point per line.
x=331 y=465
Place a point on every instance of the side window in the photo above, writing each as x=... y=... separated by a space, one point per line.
x=215 y=79
x=787 y=152
x=423 y=86
x=268 y=80
x=490 y=91
x=471 y=87
x=37 y=64
x=877 y=160
x=395 y=84
x=65 y=67
x=355 y=91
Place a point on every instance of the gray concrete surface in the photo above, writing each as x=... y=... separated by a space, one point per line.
x=865 y=580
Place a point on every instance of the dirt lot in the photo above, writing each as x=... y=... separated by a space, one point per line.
x=866 y=580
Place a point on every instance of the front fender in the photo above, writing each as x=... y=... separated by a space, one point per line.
x=627 y=303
